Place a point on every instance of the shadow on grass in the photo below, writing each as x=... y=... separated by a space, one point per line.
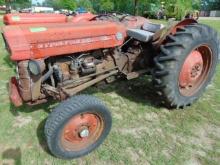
x=47 y=107
x=41 y=137
x=8 y=61
x=40 y=128
x=138 y=90
x=12 y=156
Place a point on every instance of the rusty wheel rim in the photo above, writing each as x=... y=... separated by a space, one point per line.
x=81 y=131
x=195 y=70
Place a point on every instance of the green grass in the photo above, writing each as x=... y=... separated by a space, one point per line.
x=142 y=132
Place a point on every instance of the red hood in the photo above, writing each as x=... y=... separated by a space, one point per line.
x=45 y=40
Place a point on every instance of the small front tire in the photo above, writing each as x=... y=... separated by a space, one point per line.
x=77 y=126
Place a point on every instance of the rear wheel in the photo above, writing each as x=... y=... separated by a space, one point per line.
x=77 y=127
x=186 y=65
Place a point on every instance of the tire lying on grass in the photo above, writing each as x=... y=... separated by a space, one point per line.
x=186 y=65
x=77 y=126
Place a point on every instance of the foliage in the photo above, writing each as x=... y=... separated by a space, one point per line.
x=87 y=4
x=61 y=4
x=121 y=6
x=19 y=4
x=69 y=4
x=196 y=4
x=210 y=4
x=106 y=5
x=2 y=2
x=178 y=8
x=172 y=8
x=56 y=4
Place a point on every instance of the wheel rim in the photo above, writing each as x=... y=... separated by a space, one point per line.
x=81 y=131
x=195 y=70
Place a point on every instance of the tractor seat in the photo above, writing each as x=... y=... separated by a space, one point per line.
x=141 y=35
x=151 y=27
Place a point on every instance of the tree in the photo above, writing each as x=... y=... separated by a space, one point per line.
x=106 y=5
x=87 y=4
x=178 y=8
x=210 y=5
x=15 y=4
x=61 y=4
x=2 y=2
x=69 y=4
x=136 y=7
x=196 y=4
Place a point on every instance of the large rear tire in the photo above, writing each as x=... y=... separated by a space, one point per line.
x=186 y=65
x=77 y=126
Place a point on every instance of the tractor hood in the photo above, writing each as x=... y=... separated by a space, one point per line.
x=45 y=40
x=28 y=18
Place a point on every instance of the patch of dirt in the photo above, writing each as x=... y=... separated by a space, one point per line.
x=96 y=161
x=137 y=132
x=114 y=108
x=7 y=162
x=113 y=95
x=167 y=153
x=136 y=156
x=118 y=116
x=151 y=117
x=201 y=140
x=4 y=69
x=192 y=161
x=47 y=162
x=21 y=121
x=202 y=136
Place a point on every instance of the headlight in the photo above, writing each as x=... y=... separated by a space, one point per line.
x=34 y=67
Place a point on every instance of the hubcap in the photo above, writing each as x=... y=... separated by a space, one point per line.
x=84 y=133
x=195 y=70
x=81 y=131
x=191 y=70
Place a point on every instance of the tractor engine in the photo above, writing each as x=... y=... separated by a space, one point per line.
x=58 y=76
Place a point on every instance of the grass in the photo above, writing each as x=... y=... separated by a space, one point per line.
x=142 y=132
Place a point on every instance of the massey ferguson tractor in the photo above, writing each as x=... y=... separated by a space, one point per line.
x=57 y=58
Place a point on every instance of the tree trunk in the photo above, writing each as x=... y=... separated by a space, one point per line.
x=8 y=6
x=135 y=7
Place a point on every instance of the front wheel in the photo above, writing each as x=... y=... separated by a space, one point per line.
x=77 y=127
x=186 y=65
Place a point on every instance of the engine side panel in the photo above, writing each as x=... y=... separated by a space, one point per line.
x=46 y=40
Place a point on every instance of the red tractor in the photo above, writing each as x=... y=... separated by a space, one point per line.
x=58 y=59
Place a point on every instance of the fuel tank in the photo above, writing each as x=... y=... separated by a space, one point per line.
x=29 y=18
x=46 y=40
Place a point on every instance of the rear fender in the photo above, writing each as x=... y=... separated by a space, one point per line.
x=161 y=35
